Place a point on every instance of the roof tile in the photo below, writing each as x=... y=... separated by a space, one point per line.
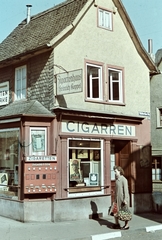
x=41 y=29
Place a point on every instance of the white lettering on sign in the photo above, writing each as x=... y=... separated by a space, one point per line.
x=70 y=82
x=98 y=128
x=4 y=93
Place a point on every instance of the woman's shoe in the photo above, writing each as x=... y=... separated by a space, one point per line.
x=125 y=228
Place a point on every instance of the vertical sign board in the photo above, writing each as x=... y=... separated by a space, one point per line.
x=4 y=93
x=69 y=82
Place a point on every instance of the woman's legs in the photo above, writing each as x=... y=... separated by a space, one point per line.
x=126 y=226
x=116 y=221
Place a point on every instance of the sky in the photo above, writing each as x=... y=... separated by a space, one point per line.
x=146 y=16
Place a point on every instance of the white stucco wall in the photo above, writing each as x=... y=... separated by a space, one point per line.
x=115 y=47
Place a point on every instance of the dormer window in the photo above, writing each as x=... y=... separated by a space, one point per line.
x=20 y=83
x=105 y=19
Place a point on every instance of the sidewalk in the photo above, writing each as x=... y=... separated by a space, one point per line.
x=71 y=230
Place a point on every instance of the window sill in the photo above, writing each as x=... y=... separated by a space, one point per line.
x=157 y=181
x=105 y=102
x=85 y=189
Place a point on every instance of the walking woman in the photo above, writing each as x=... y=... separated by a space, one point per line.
x=121 y=195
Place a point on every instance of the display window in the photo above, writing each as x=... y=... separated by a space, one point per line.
x=9 y=155
x=85 y=165
x=38 y=141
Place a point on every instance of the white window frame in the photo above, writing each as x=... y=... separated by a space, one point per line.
x=82 y=194
x=90 y=82
x=156 y=171
x=105 y=19
x=20 y=89
x=44 y=151
x=159 y=115
x=111 y=82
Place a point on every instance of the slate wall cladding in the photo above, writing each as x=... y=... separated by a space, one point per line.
x=7 y=74
x=41 y=79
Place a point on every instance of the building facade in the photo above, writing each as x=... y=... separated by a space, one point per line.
x=75 y=101
x=156 y=126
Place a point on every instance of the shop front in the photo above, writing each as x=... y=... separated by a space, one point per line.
x=61 y=167
x=88 y=147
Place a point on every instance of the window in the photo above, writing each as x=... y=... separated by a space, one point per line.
x=9 y=152
x=159 y=117
x=115 y=85
x=94 y=82
x=156 y=168
x=85 y=163
x=38 y=141
x=112 y=160
x=20 y=83
x=105 y=19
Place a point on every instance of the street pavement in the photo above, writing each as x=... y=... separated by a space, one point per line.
x=88 y=229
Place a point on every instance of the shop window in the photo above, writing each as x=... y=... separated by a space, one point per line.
x=85 y=163
x=156 y=168
x=94 y=82
x=38 y=140
x=115 y=85
x=20 y=83
x=9 y=155
x=105 y=19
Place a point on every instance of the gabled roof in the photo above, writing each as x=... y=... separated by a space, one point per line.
x=134 y=36
x=24 y=107
x=41 y=29
x=45 y=29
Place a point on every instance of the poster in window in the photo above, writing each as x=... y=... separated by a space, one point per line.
x=75 y=174
x=93 y=179
x=38 y=140
x=82 y=153
x=96 y=155
x=3 y=179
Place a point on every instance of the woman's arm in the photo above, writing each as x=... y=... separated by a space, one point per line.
x=125 y=191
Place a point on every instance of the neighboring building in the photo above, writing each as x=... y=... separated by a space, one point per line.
x=75 y=101
x=156 y=125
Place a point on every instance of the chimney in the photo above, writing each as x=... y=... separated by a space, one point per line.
x=150 y=49
x=28 y=13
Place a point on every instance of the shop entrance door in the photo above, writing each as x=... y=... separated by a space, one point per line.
x=122 y=154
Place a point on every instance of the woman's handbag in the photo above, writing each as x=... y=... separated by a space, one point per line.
x=113 y=209
x=124 y=214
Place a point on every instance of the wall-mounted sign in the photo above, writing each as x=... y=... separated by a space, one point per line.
x=98 y=128
x=41 y=158
x=4 y=93
x=69 y=82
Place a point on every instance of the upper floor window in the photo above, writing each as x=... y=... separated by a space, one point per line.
x=94 y=82
x=20 y=83
x=105 y=19
x=115 y=85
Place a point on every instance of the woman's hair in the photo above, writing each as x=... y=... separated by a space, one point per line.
x=120 y=169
